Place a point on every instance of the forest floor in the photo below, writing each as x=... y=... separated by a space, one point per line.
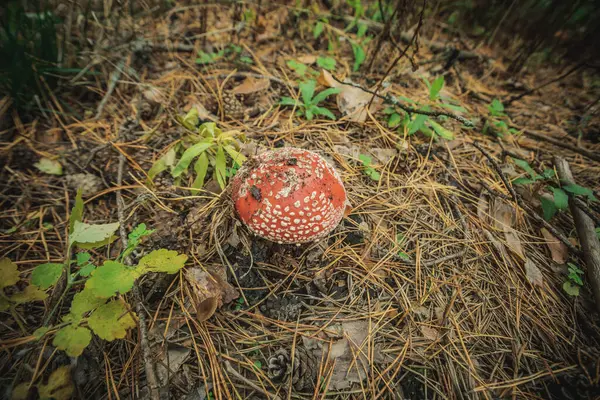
x=449 y=277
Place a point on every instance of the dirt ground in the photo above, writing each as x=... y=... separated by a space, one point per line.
x=443 y=280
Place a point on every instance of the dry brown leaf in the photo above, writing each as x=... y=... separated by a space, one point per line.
x=558 y=250
x=209 y=290
x=174 y=358
x=349 y=354
x=533 y=273
x=307 y=59
x=430 y=333
x=483 y=207
x=252 y=85
x=504 y=219
x=326 y=79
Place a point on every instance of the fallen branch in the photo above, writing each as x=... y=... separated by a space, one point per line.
x=149 y=368
x=586 y=231
x=560 y=143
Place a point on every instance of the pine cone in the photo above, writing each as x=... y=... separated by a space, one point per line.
x=304 y=371
x=232 y=107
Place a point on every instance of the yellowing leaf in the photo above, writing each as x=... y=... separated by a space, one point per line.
x=20 y=391
x=31 y=293
x=86 y=233
x=49 y=166
x=59 y=386
x=83 y=302
x=46 y=275
x=162 y=260
x=111 y=321
x=9 y=273
x=72 y=339
x=111 y=278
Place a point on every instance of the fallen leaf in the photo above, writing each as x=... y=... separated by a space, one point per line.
x=504 y=219
x=533 y=273
x=430 y=333
x=59 y=386
x=48 y=166
x=349 y=354
x=210 y=290
x=483 y=207
x=252 y=85
x=558 y=250
x=153 y=95
x=307 y=59
x=170 y=362
x=383 y=155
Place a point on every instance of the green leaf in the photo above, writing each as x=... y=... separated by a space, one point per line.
x=83 y=302
x=496 y=108
x=86 y=233
x=441 y=131
x=188 y=156
x=309 y=113
x=548 y=173
x=327 y=63
x=571 y=289
x=365 y=159
x=524 y=181
x=580 y=190
x=162 y=260
x=111 y=321
x=4 y=304
x=191 y=119
x=200 y=168
x=135 y=237
x=454 y=107
x=246 y=60
x=205 y=58
x=323 y=95
x=525 y=165
x=82 y=258
x=48 y=166
x=561 y=200
x=72 y=339
x=77 y=211
x=40 y=332
x=394 y=120
x=436 y=87
x=288 y=101
x=359 y=56
x=416 y=124
x=323 y=111
x=31 y=293
x=111 y=278
x=95 y=245
x=575 y=278
x=318 y=29
x=86 y=270
x=209 y=130
x=162 y=164
x=9 y=273
x=298 y=67
x=373 y=174
x=59 y=387
x=548 y=208
x=221 y=168
x=362 y=29
x=307 y=90
x=235 y=155
x=46 y=275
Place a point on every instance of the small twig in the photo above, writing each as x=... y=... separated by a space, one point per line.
x=146 y=352
x=114 y=78
x=496 y=167
x=394 y=101
x=560 y=143
x=242 y=378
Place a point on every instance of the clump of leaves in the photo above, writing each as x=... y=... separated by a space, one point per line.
x=574 y=282
x=309 y=107
x=367 y=168
x=209 y=146
x=94 y=308
x=497 y=122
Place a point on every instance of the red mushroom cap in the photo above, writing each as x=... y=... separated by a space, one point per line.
x=289 y=195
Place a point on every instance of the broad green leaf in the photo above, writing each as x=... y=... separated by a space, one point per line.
x=394 y=120
x=59 y=386
x=359 y=56
x=496 y=108
x=298 y=67
x=416 y=124
x=365 y=159
x=82 y=258
x=436 y=87
x=31 y=293
x=46 y=275
x=307 y=90
x=111 y=278
x=86 y=270
x=318 y=29
x=323 y=95
x=580 y=190
x=72 y=339
x=162 y=260
x=524 y=181
x=111 y=321
x=309 y=113
x=200 y=168
x=95 y=245
x=188 y=156
x=86 y=233
x=362 y=29
x=288 y=101
x=9 y=273
x=525 y=165
x=441 y=131
x=221 y=168
x=561 y=200
x=40 y=332
x=48 y=166
x=548 y=208
x=235 y=155
x=327 y=63
x=209 y=130
x=571 y=289
x=83 y=302
x=77 y=211
x=324 y=111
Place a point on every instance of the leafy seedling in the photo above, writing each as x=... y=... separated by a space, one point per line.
x=368 y=169
x=309 y=107
x=574 y=280
x=327 y=63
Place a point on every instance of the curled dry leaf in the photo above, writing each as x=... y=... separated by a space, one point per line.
x=504 y=219
x=352 y=101
x=252 y=85
x=558 y=250
x=533 y=273
x=209 y=291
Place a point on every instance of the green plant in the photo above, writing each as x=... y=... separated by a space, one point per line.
x=95 y=308
x=411 y=124
x=574 y=282
x=208 y=145
x=400 y=240
x=309 y=105
x=368 y=169
x=327 y=63
x=229 y=52
x=496 y=112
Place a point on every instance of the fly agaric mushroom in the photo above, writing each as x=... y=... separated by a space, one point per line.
x=289 y=195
